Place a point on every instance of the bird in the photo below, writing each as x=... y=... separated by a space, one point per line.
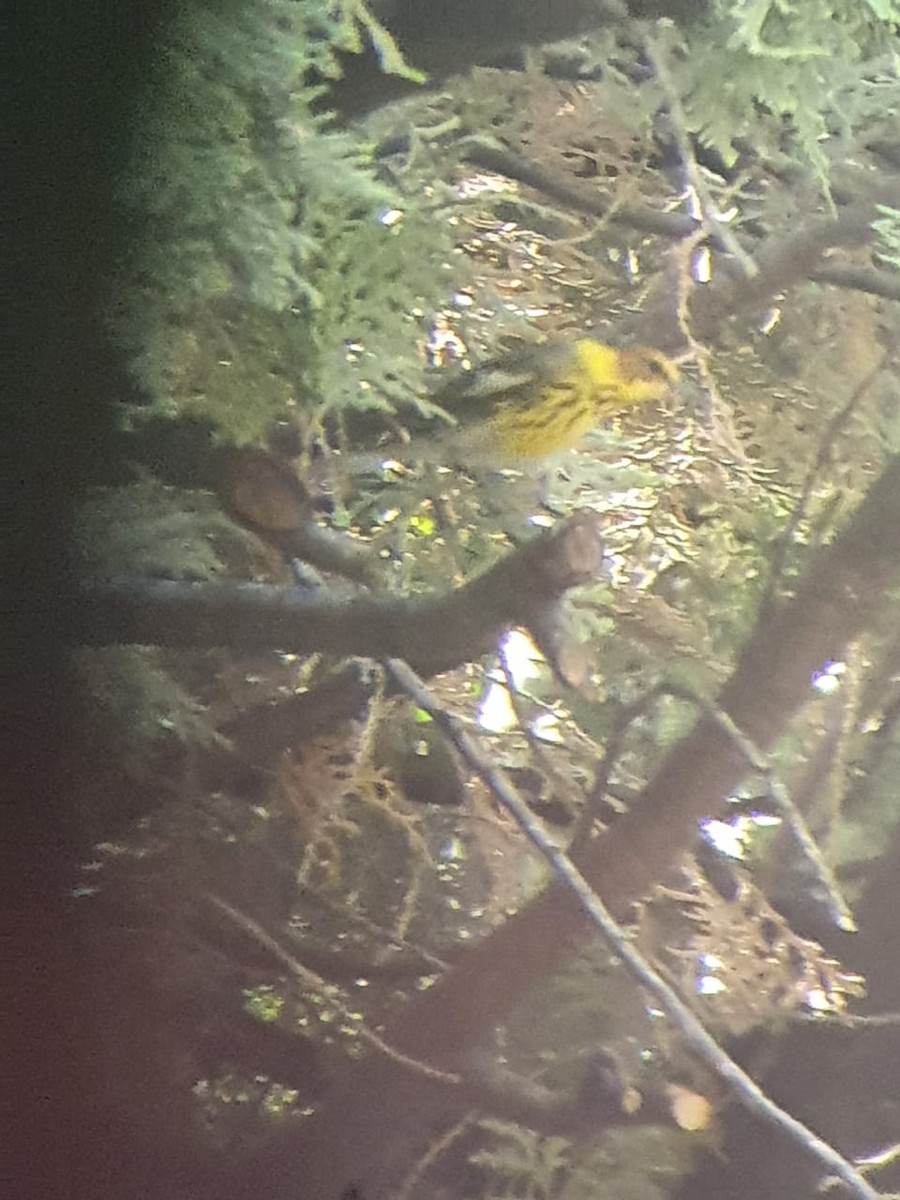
x=534 y=401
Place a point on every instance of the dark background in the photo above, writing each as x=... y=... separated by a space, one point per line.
x=77 y=71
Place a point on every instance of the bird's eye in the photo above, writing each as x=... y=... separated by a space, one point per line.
x=657 y=368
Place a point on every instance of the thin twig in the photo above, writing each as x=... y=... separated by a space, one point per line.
x=410 y=1186
x=832 y=432
x=745 y=1089
x=624 y=719
x=311 y=980
x=849 y=1020
x=391 y=939
x=711 y=223
x=793 y=818
x=536 y=746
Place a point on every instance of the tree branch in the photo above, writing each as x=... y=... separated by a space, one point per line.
x=838 y=598
x=781 y=259
x=567 y=875
x=434 y=633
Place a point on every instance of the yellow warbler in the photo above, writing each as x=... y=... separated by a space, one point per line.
x=533 y=402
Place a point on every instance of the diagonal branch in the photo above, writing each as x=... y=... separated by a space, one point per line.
x=322 y=987
x=745 y=1089
x=838 y=598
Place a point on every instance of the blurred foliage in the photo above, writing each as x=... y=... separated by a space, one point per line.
x=138 y=704
x=358 y=24
x=156 y=531
x=149 y=530
x=521 y=1164
x=745 y=67
x=263 y=250
x=643 y=1163
x=230 y=1102
x=263 y=1003
x=630 y=1164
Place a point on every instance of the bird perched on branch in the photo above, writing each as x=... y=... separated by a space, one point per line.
x=532 y=402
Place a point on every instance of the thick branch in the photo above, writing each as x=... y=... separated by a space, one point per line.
x=492 y=155
x=432 y=633
x=860 y=279
x=782 y=260
x=568 y=876
x=841 y=591
x=838 y=598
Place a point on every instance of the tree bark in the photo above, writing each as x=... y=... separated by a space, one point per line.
x=432 y=633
